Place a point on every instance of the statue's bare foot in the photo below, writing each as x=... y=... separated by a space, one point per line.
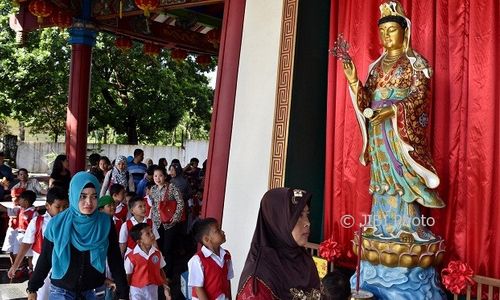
x=425 y=234
x=406 y=237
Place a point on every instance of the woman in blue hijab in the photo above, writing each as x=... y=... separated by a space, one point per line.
x=76 y=245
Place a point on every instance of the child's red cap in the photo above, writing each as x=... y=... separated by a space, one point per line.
x=16 y=192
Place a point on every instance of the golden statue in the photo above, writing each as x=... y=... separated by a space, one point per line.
x=392 y=109
x=398 y=250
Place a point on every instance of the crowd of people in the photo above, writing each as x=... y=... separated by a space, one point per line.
x=131 y=193
x=131 y=229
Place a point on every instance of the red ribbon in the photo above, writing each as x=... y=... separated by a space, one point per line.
x=456 y=276
x=330 y=250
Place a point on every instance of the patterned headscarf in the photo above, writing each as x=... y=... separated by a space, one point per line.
x=118 y=176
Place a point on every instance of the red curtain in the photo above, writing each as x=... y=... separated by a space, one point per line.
x=460 y=40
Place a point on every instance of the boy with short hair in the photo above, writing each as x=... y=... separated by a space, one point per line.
x=144 y=265
x=117 y=192
x=57 y=201
x=106 y=204
x=138 y=209
x=26 y=214
x=335 y=286
x=210 y=269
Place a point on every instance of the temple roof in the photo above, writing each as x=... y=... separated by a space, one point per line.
x=181 y=24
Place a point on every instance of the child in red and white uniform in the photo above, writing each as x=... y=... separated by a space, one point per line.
x=26 y=214
x=117 y=192
x=137 y=207
x=210 y=269
x=57 y=201
x=10 y=244
x=144 y=265
x=106 y=204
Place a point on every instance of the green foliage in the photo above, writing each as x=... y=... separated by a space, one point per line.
x=151 y=94
x=33 y=79
x=134 y=98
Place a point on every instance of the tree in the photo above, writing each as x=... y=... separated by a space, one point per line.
x=138 y=97
x=34 y=79
x=146 y=97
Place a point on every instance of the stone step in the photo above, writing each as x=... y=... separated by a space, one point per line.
x=15 y=289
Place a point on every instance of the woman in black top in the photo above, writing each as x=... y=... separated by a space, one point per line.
x=76 y=244
x=60 y=175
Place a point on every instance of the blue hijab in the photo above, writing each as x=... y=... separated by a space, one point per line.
x=84 y=232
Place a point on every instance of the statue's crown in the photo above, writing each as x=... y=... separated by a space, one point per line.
x=391 y=8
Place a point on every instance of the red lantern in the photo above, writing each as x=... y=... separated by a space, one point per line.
x=123 y=43
x=62 y=19
x=151 y=49
x=213 y=37
x=40 y=9
x=204 y=59
x=147 y=5
x=178 y=54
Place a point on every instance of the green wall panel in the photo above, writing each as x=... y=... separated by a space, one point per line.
x=305 y=164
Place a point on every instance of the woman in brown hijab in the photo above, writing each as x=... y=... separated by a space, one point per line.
x=278 y=266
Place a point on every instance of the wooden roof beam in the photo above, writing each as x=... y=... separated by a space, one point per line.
x=99 y=14
x=168 y=36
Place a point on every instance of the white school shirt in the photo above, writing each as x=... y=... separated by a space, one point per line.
x=195 y=269
x=30 y=234
x=31 y=185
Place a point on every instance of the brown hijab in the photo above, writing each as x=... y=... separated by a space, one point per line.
x=274 y=256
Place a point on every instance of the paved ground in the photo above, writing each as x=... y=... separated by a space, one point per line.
x=10 y=290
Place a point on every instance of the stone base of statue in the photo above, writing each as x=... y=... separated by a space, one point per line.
x=396 y=270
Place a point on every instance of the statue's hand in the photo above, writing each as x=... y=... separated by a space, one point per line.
x=381 y=115
x=350 y=72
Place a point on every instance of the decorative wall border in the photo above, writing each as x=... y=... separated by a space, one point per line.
x=283 y=93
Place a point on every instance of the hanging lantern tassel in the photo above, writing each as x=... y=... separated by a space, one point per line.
x=121 y=9
x=147 y=26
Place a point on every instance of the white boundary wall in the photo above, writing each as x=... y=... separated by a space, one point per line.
x=250 y=152
x=35 y=156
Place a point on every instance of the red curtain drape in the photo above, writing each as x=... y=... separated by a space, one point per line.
x=460 y=40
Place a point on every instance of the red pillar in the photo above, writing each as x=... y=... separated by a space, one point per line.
x=82 y=40
x=222 y=116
